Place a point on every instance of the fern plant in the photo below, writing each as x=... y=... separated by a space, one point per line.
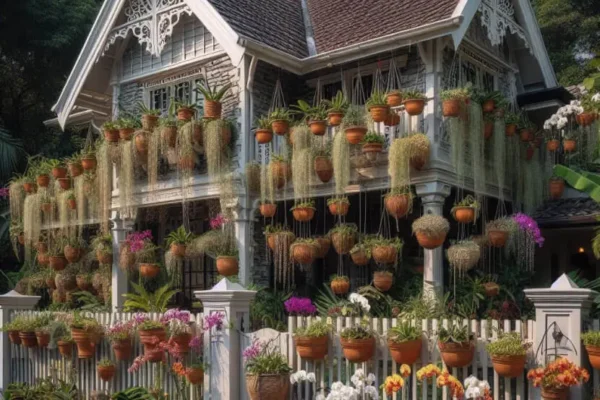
x=143 y=300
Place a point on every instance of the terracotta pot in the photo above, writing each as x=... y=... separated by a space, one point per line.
x=383 y=281
x=271 y=387
x=75 y=169
x=149 y=339
x=268 y=210
x=126 y=133
x=83 y=284
x=379 y=112
x=271 y=241
x=14 y=337
x=149 y=270
x=552 y=145
x=43 y=180
x=280 y=127
x=51 y=283
x=311 y=348
x=429 y=242
x=111 y=136
x=339 y=208
x=510 y=129
x=457 y=355
x=451 y=108
x=323 y=168
x=225 y=136
x=497 y=238
x=324 y=243
x=281 y=173
x=359 y=258
x=185 y=114
x=358 y=350
x=46 y=207
x=488 y=106
x=557 y=187
x=335 y=118
x=122 y=349
x=227 y=266
x=384 y=254
x=406 y=352
x=318 y=128
x=303 y=253
x=86 y=347
x=72 y=254
x=340 y=286
x=106 y=373
x=509 y=366
x=103 y=257
x=582 y=119
x=187 y=163
x=41 y=247
x=212 y=109
x=21 y=239
x=372 y=148
x=195 y=376
x=57 y=263
x=59 y=172
x=355 y=134
x=488 y=130
x=594 y=356
x=342 y=243
x=29 y=187
x=555 y=394
x=28 y=339
x=89 y=163
x=197 y=135
x=397 y=205
x=526 y=135
x=178 y=250
x=491 y=289
x=182 y=342
x=169 y=135
x=569 y=145
x=464 y=215
x=72 y=204
x=303 y=214
x=414 y=106
x=141 y=143
x=392 y=119
x=149 y=122
x=393 y=99
x=263 y=136
x=43 y=339
x=65 y=348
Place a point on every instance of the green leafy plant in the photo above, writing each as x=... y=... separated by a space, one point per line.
x=263 y=123
x=413 y=94
x=133 y=393
x=354 y=116
x=591 y=338
x=127 y=123
x=508 y=344
x=338 y=104
x=106 y=362
x=404 y=332
x=460 y=94
x=212 y=93
x=102 y=243
x=373 y=137
x=87 y=324
x=377 y=241
x=280 y=114
x=377 y=98
x=145 y=110
x=179 y=236
x=455 y=333
x=357 y=332
x=431 y=225
x=344 y=229
x=338 y=200
x=168 y=122
x=308 y=112
x=468 y=201
x=143 y=300
x=304 y=204
x=109 y=126
x=316 y=329
x=339 y=278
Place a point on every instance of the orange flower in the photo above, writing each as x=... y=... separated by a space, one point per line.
x=405 y=370
x=178 y=369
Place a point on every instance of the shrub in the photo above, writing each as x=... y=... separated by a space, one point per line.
x=509 y=344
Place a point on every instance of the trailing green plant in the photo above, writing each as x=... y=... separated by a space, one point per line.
x=507 y=344
x=377 y=98
x=213 y=93
x=460 y=94
x=399 y=163
x=145 y=110
x=168 y=122
x=455 y=333
x=468 y=201
x=143 y=300
x=394 y=242
x=109 y=126
x=403 y=332
x=280 y=114
x=341 y=152
x=127 y=123
x=511 y=118
x=344 y=229
x=373 y=137
x=179 y=236
x=308 y=112
x=413 y=94
x=303 y=204
x=316 y=329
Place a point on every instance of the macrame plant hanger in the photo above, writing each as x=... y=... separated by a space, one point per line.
x=394 y=82
x=277 y=102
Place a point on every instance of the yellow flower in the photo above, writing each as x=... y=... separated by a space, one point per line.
x=405 y=370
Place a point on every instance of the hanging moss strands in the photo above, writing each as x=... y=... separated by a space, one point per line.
x=217 y=135
x=476 y=146
x=267 y=191
x=419 y=150
x=399 y=166
x=151 y=159
x=499 y=155
x=126 y=180
x=253 y=178
x=104 y=173
x=284 y=266
x=17 y=200
x=302 y=162
x=65 y=215
x=463 y=256
x=341 y=162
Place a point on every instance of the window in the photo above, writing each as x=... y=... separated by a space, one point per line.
x=182 y=91
x=476 y=72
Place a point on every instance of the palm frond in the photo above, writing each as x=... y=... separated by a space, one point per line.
x=12 y=153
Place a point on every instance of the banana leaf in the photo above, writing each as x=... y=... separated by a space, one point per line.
x=583 y=181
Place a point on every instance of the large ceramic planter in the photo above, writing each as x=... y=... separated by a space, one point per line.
x=339 y=208
x=555 y=394
x=268 y=387
x=107 y=372
x=342 y=243
x=182 y=342
x=383 y=281
x=340 y=286
x=178 y=250
x=384 y=254
x=497 y=238
x=323 y=168
x=464 y=215
x=430 y=242
x=405 y=352
x=72 y=254
x=397 y=205
x=263 y=136
x=358 y=350
x=86 y=347
x=318 y=128
x=195 y=376
x=303 y=253
x=509 y=366
x=57 y=263
x=28 y=339
x=150 y=339
x=268 y=210
x=122 y=349
x=227 y=266
x=149 y=270
x=457 y=355
x=556 y=187
x=594 y=356
x=65 y=348
x=359 y=258
x=311 y=348
x=303 y=214
x=414 y=106
x=43 y=339
x=451 y=108
x=379 y=112
x=355 y=134
x=280 y=126
x=14 y=337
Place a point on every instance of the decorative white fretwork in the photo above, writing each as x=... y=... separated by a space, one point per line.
x=150 y=21
x=498 y=16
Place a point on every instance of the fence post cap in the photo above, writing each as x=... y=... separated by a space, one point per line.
x=225 y=289
x=16 y=300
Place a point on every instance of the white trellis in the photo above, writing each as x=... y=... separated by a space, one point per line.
x=498 y=17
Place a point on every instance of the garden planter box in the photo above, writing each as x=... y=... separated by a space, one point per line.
x=358 y=350
x=268 y=387
x=405 y=352
x=311 y=348
x=457 y=355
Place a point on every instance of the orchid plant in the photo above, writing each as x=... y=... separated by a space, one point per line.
x=178 y=321
x=363 y=388
x=300 y=306
x=476 y=389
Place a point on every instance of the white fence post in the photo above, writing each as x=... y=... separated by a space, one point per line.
x=222 y=347
x=9 y=302
x=561 y=308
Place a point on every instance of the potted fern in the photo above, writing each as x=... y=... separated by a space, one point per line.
x=377 y=106
x=405 y=343
x=178 y=240
x=213 y=96
x=414 y=102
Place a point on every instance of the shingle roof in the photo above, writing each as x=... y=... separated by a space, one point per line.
x=581 y=210
x=276 y=23
x=340 y=23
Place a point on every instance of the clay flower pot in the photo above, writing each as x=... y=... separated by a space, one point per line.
x=488 y=106
x=384 y=254
x=29 y=187
x=355 y=134
x=430 y=242
x=324 y=243
x=392 y=119
x=383 y=281
x=169 y=135
x=141 y=143
x=72 y=254
x=28 y=339
x=72 y=204
x=178 y=250
x=405 y=352
x=358 y=350
x=594 y=356
x=263 y=136
x=457 y=355
x=463 y=215
x=510 y=130
x=75 y=169
x=111 y=136
x=149 y=270
x=150 y=338
x=268 y=210
x=126 y=133
x=414 y=106
x=451 y=108
x=556 y=187
x=526 y=135
x=342 y=243
x=488 y=130
x=122 y=349
x=272 y=387
x=149 y=121
x=303 y=214
x=311 y=348
x=359 y=258
x=227 y=266
x=43 y=339
x=185 y=114
x=318 y=128
x=281 y=173
x=65 y=348
x=397 y=205
x=182 y=342
x=43 y=180
x=280 y=126
x=509 y=366
x=57 y=263
x=43 y=259
x=335 y=118
x=372 y=148
x=89 y=163
x=555 y=394
x=59 y=172
x=497 y=238
x=106 y=372
x=83 y=283
x=491 y=289
x=86 y=347
x=323 y=168
x=340 y=286
x=393 y=99
x=212 y=109
x=303 y=253
x=195 y=376
x=14 y=337
x=552 y=145
x=339 y=208
x=379 y=112
x=569 y=145
x=187 y=162
x=46 y=207
x=103 y=257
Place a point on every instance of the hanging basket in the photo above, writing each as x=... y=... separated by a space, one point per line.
x=497 y=238
x=268 y=210
x=488 y=106
x=59 y=172
x=526 y=135
x=227 y=266
x=398 y=205
x=323 y=168
x=194 y=375
x=182 y=342
x=122 y=349
x=57 y=263
x=342 y=242
x=149 y=339
x=271 y=387
x=43 y=180
x=106 y=372
x=75 y=169
x=149 y=122
x=318 y=128
x=379 y=112
x=552 y=145
x=65 y=348
x=392 y=119
x=43 y=258
x=491 y=289
x=556 y=187
x=29 y=187
x=86 y=347
x=463 y=215
x=324 y=244
x=111 y=136
x=280 y=126
x=43 y=339
x=569 y=145
x=358 y=350
x=185 y=113
x=28 y=339
x=510 y=130
x=509 y=366
x=359 y=258
x=430 y=242
x=457 y=355
x=141 y=143
x=414 y=106
x=451 y=108
x=355 y=134
x=335 y=118
x=89 y=163
x=281 y=173
x=149 y=270
x=311 y=348
x=594 y=356
x=339 y=207
x=72 y=254
x=178 y=250
x=14 y=337
x=372 y=148
x=212 y=109
x=383 y=280
x=394 y=99
x=384 y=254
x=303 y=214
x=406 y=352
x=263 y=136
x=303 y=253
x=126 y=133
x=340 y=286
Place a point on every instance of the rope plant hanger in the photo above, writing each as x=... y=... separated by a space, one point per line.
x=394 y=97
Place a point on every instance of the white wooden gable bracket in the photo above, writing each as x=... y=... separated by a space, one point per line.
x=498 y=17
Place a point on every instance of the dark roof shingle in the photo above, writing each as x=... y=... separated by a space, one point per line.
x=581 y=210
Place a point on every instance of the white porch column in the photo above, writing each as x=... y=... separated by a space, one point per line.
x=9 y=302
x=433 y=195
x=120 y=228
x=432 y=55
x=560 y=312
x=222 y=346
x=244 y=219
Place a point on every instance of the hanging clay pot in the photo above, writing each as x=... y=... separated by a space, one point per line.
x=303 y=253
x=149 y=122
x=384 y=254
x=509 y=366
x=340 y=286
x=318 y=128
x=414 y=106
x=497 y=238
x=150 y=338
x=451 y=108
x=212 y=109
x=75 y=169
x=457 y=355
x=111 y=136
x=335 y=118
x=323 y=168
x=463 y=215
x=339 y=207
x=510 y=130
x=303 y=214
x=556 y=187
x=280 y=126
x=311 y=348
x=89 y=162
x=268 y=210
x=358 y=350
x=342 y=242
x=149 y=270
x=430 y=242
x=106 y=372
x=263 y=136
x=43 y=180
x=324 y=243
x=394 y=99
x=569 y=145
x=379 y=112
x=488 y=106
x=383 y=281
x=169 y=135
x=72 y=254
x=126 y=133
x=194 y=375
x=227 y=266
x=185 y=113
x=355 y=134
x=359 y=258
x=405 y=352
x=397 y=205
x=178 y=250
